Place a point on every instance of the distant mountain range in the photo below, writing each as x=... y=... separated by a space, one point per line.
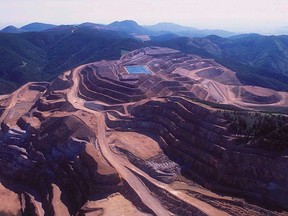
x=11 y=29
x=187 y=31
x=32 y=27
x=130 y=26
x=41 y=51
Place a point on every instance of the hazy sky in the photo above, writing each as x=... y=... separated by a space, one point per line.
x=235 y=15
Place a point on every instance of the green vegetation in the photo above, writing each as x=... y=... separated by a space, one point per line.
x=258 y=130
x=38 y=56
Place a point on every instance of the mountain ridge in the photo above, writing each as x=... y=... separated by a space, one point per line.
x=188 y=31
x=131 y=26
x=37 y=27
x=11 y=29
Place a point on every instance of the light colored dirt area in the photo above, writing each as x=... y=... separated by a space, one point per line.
x=103 y=168
x=259 y=91
x=219 y=84
x=202 y=206
x=27 y=95
x=9 y=202
x=185 y=187
x=142 y=37
x=5 y=100
x=33 y=121
x=215 y=92
x=115 y=205
x=38 y=206
x=140 y=145
x=21 y=101
x=59 y=207
x=4 y=97
x=219 y=74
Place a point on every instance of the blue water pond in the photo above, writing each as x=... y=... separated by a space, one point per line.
x=137 y=69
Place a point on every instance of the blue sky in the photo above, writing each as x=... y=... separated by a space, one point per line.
x=235 y=15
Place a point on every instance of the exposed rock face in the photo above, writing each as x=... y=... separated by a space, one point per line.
x=70 y=147
x=196 y=138
x=53 y=156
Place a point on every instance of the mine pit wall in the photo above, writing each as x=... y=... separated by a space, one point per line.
x=118 y=92
x=123 y=87
x=166 y=85
x=168 y=177
x=124 y=189
x=131 y=195
x=53 y=96
x=249 y=97
x=205 y=153
x=41 y=86
x=44 y=105
x=84 y=90
x=95 y=87
x=53 y=90
x=60 y=83
x=120 y=82
x=50 y=160
x=172 y=203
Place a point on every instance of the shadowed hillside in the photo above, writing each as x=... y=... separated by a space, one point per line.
x=37 y=56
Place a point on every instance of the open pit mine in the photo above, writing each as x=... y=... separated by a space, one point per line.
x=157 y=132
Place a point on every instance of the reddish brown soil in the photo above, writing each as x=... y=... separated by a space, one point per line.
x=99 y=141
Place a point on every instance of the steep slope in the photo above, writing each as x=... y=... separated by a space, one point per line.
x=20 y=61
